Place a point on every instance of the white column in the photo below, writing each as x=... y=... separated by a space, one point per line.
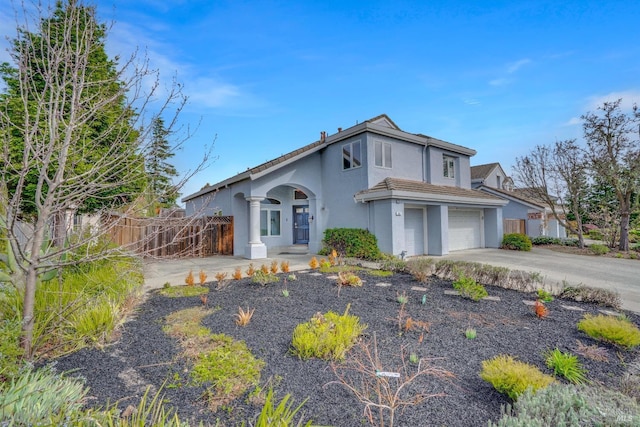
x=255 y=249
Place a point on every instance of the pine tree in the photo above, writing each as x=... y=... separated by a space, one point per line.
x=162 y=191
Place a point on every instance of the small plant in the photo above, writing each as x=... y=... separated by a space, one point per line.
x=600 y=296
x=411 y=324
x=190 y=280
x=166 y=285
x=202 y=276
x=292 y=277
x=237 y=274
x=599 y=249
x=285 y=293
x=221 y=278
x=544 y=296
x=512 y=377
x=281 y=415
x=470 y=333
x=469 y=288
x=611 y=329
x=204 y=298
x=593 y=352
x=284 y=266
x=414 y=359
x=402 y=298
x=274 y=267
x=250 y=270
x=264 y=268
x=566 y=365
x=333 y=257
x=244 y=317
x=327 y=336
x=516 y=242
x=540 y=309
x=263 y=278
x=325 y=265
x=313 y=263
x=424 y=299
x=347 y=278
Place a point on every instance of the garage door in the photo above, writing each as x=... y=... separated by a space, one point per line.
x=413 y=232
x=465 y=229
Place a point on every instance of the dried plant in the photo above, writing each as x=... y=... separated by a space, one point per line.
x=381 y=392
x=204 y=298
x=251 y=270
x=411 y=324
x=593 y=352
x=237 y=274
x=244 y=317
x=274 y=267
x=284 y=266
x=190 y=280
x=264 y=268
x=202 y=276
x=313 y=263
x=540 y=309
x=333 y=257
x=222 y=280
x=347 y=278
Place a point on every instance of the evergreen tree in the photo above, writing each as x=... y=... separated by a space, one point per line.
x=162 y=191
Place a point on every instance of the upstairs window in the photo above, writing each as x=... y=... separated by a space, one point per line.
x=351 y=155
x=382 y=154
x=448 y=167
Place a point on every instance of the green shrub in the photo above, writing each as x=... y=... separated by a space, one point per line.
x=599 y=296
x=545 y=240
x=469 y=288
x=566 y=365
x=596 y=235
x=570 y=405
x=328 y=336
x=598 y=249
x=392 y=263
x=263 y=278
x=352 y=242
x=513 y=377
x=516 y=242
x=282 y=415
x=611 y=329
x=544 y=296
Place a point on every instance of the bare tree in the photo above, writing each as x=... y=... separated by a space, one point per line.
x=557 y=176
x=54 y=167
x=614 y=154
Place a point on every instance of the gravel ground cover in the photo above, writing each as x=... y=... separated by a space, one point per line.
x=145 y=356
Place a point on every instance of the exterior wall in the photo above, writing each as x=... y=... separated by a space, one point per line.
x=514 y=210
x=493 y=227
x=407 y=161
x=438 y=229
x=380 y=218
x=435 y=174
x=492 y=179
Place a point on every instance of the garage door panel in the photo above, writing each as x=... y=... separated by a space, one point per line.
x=465 y=229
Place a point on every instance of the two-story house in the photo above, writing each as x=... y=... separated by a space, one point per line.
x=411 y=190
x=523 y=213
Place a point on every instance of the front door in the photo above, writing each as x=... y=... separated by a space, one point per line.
x=300 y=224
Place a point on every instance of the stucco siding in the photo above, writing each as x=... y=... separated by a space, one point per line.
x=406 y=160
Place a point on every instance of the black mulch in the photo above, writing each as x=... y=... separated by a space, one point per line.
x=145 y=355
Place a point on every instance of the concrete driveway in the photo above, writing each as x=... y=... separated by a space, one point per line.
x=621 y=275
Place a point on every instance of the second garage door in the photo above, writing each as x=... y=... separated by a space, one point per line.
x=465 y=229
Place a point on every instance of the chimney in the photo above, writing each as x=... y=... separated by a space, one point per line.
x=323 y=136
x=339 y=130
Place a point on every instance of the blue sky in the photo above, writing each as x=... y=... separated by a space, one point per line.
x=267 y=76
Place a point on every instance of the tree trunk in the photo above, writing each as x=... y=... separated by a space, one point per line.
x=28 y=319
x=624 y=229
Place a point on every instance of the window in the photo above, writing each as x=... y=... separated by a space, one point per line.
x=383 y=154
x=351 y=155
x=449 y=167
x=269 y=222
x=498 y=182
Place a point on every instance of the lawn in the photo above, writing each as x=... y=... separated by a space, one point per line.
x=146 y=355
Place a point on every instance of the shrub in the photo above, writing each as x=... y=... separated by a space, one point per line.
x=263 y=278
x=392 y=263
x=10 y=351
x=347 y=278
x=512 y=377
x=469 y=288
x=569 y=405
x=328 y=336
x=281 y=415
x=352 y=242
x=611 y=329
x=603 y=297
x=545 y=240
x=544 y=296
x=516 y=242
x=598 y=249
x=566 y=365
x=190 y=280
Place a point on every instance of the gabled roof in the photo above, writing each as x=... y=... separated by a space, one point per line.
x=481 y=172
x=381 y=125
x=513 y=195
x=418 y=190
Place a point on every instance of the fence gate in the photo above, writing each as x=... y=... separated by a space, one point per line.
x=173 y=237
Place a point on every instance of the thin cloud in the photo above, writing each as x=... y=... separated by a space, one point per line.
x=499 y=82
x=471 y=101
x=515 y=66
x=573 y=121
x=629 y=97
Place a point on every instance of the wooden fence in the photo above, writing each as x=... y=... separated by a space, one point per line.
x=173 y=237
x=514 y=226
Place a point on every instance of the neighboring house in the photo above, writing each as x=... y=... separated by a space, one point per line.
x=410 y=190
x=523 y=214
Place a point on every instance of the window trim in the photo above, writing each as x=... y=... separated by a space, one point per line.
x=351 y=156
x=268 y=218
x=448 y=166
x=387 y=163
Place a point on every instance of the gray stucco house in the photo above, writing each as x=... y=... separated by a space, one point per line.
x=411 y=190
x=523 y=213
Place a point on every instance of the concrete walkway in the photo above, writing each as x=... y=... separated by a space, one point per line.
x=621 y=275
x=159 y=271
